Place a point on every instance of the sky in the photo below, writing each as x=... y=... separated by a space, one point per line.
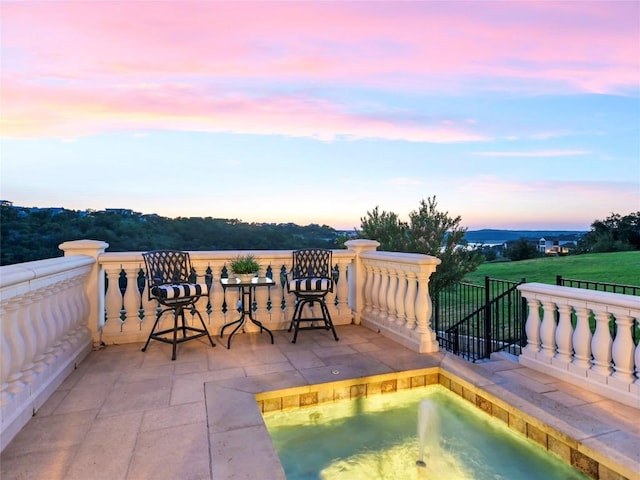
x=515 y=115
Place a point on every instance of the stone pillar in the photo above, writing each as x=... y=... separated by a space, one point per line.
x=357 y=275
x=95 y=282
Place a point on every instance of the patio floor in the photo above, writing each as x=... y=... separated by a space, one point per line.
x=124 y=414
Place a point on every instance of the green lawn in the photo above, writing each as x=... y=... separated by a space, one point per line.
x=619 y=267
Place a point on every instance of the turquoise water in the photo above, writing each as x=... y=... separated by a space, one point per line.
x=376 y=438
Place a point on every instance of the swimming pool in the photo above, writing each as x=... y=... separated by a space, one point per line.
x=376 y=437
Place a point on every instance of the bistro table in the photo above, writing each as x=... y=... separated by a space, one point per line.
x=246 y=287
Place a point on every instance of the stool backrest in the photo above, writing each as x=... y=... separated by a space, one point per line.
x=311 y=263
x=167 y=267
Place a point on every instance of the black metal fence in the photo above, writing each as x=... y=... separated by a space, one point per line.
x=600 y=286
x=605 y=287
x=474 y=321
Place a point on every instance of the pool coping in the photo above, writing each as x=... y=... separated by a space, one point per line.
x=241 y=447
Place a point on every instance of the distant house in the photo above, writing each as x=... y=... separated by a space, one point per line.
x=121 y=211
x=555 y=246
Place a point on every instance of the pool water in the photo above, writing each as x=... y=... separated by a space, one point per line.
x=377 y=438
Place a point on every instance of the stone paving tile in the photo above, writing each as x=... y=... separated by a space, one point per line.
x=618 y=445
x=304 y=359
x=136 y=396
x=190 y=388
x=529 y=381
x=40 y=465
x=236 y=466
x=577 y=392
x=173 y=416
x=332 y=350
x=620 y=416
x=84 y=398
x=173 y=453
x=147 y=373
x=268 y=368
x=565 y=399
x=106 y=450
x=52 y=403
x=53 y=432
x=265 y=383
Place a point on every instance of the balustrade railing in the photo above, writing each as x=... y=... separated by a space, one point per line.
x=129 y=314
x=569 y=336
x=44 y=309
x=396 y=297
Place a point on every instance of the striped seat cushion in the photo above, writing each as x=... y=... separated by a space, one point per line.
x=310 y=285
x=182 y=290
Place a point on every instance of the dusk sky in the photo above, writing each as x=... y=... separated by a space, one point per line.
x=518 y=115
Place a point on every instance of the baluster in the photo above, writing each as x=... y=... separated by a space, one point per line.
x=54 y=350
x=345 y=266
x=564 y=334
x=401 y=293
x=601 y=345
x=391 y=296
x=11 y=331
x=82 y=301
x=5 y=362
x=283 y=284
x=548 y=332
x=423 y=304
x=622 y=351
x=75 y=309
x=383 y=313
x=41 y=332
x=140 y=284
x=582 y=342
x=410 y=300
x=113 y=323
x=122 y=288
x=335 y=275
x=29 y=335
x=208 y=280
x=61 y=315
x=269 y=274
x=368 y=286
x=131 y=298
x=375 y=290
x=532 y=329
x=637 y=361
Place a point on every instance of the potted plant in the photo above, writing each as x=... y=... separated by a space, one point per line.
x=245 y=267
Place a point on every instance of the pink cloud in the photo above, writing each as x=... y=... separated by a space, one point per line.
x=83 y=111
x=198 y=65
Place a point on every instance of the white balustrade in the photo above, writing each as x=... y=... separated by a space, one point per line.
x=44 y=333
x=397 y=285
x=124 y=325
x=578 y=346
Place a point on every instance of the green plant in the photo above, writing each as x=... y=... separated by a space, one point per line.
x=243 y=264
x=429 y=231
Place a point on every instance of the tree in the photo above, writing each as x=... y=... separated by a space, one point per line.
x=521 y=249
x=614 y=234
x=428 y=231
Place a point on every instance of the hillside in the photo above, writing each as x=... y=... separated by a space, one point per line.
x=615 y=267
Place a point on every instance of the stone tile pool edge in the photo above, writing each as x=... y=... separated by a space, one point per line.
x=241 y=447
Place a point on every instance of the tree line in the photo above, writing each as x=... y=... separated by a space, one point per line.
x=34 y=234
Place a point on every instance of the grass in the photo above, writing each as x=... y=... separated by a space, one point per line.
x=618 y=267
